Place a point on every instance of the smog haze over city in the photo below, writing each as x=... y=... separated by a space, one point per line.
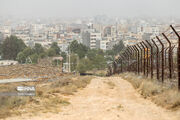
x=81 y=8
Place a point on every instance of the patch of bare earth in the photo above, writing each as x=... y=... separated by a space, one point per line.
x=98 y=101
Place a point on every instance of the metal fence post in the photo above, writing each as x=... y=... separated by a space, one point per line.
x=144 y=67
x=169 y=56
x=147 y=63
x=162 y=58
x=157 y=58
x=152 y=60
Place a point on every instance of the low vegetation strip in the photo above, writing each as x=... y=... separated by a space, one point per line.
x=161 y=95
x=15 y=80
x=50 y=96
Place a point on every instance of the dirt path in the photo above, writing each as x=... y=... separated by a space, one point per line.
x=99 y=101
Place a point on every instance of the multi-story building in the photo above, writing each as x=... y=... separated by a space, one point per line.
x=91 y=38
x=86 y=38
x=107 y=31
x=104 y=44
x=95 y=39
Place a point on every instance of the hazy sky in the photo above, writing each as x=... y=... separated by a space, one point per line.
x=74 y=8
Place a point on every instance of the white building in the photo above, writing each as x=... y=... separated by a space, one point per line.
x=104 y=44
x=8 y=62
x=148 y=29
x=95 y=39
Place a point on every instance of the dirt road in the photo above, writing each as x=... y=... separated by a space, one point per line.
x=102 y=101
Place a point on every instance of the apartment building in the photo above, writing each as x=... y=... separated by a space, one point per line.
x=95 y=39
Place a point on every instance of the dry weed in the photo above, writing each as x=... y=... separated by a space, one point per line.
x=164 y=96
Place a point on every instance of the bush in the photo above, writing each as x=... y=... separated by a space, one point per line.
x=148 y=89
x=42 y=55
x=21 y=57
x=51 y=52
x=84 y=65
x=11 y=102
x=169 y=99
x=34 y=58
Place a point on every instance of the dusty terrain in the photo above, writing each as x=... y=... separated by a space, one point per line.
x=43 y=70
x=102 y=100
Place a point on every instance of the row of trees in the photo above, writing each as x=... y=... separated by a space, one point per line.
x=15 y=49
x=82 y=57
x=85 y=59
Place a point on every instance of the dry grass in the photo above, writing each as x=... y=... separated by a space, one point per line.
x=163 y=96
x=169 y=99
x=70 y=84
x=150 y=88
x=33 y=71
x=135 y=82
x=50 y=96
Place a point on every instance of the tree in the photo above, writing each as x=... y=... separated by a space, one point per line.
x=51 y=52
x=84 y=65
x=55 y=47
x=28 y=51
x=21 y=57
x=11 y=47
x=118 y=47
x=82 y=50
x=74 y=46
x=34 y=58
x=38 y=48
x=74 y=60
x=79 y=49
x=99 y=62
x=43 y=55
x=110 y=55
x=97 y=58
x=91 y=54
x=109 y=52
x=63 y=54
